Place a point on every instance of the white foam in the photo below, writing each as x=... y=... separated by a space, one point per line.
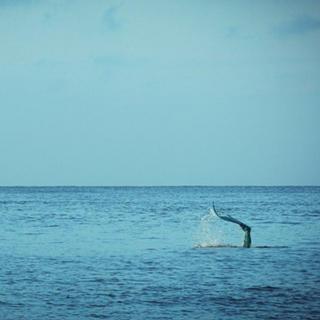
x=208 y=234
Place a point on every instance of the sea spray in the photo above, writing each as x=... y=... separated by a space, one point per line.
x=208 y=234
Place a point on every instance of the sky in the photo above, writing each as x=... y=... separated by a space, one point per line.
x=170 y=92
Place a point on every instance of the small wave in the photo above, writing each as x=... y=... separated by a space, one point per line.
x=269 y=247
x=290 y=222
x=32 y=233
x=98 y=316
x=263 y=288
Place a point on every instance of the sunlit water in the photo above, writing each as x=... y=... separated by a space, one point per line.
x=159 y=253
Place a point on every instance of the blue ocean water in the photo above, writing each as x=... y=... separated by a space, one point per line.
x=159 y=253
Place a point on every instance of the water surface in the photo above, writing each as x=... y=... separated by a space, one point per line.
x=157 y=253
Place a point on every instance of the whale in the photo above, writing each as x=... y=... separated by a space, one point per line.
x=243 y=226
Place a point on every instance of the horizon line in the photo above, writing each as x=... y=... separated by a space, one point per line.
x=157 y=186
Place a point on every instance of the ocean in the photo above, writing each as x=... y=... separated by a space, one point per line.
x=159 y=253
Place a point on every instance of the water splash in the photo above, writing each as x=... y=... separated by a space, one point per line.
x=208 y=233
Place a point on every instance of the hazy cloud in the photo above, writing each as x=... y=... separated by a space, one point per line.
x=299 y=25
x=11 y=3
x=111 y=18
x=232 y=31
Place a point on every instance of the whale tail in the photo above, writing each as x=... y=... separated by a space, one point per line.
x=244 y=227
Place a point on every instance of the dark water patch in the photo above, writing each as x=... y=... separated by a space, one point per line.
x=269 y=247
x=69 y=261
x=55 y=304
x=229 y=300
x=290 y=222
x=263 y=288
x=313 y=213
x=97 y=280
x=98 y=316
x=32 y=233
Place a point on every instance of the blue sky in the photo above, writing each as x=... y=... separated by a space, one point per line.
x=179 y=92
